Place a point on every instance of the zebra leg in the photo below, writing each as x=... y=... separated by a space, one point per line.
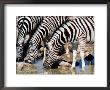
x=82 y=49
x=82 y=58
x=74 y=58
x=74 y=48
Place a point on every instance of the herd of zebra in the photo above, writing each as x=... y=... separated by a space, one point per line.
x=52 y=32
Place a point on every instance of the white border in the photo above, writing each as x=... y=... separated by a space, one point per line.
x=100 y=76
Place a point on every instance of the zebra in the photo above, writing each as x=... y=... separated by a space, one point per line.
x=45 y=30
x=25 y=27
x=79 y=29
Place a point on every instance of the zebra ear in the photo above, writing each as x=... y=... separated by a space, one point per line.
x=26 y=39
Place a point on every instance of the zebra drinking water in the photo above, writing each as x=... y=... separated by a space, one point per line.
x=79 y=29
x=44 y=31
x=25 y=27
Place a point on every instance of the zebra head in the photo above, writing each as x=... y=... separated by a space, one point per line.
x=32 y=53
x=51 y=59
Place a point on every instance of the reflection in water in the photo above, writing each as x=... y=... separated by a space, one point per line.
x=39 y=66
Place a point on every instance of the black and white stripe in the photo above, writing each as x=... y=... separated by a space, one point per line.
x=79 y=29
x=25 y=28
x=46 y=29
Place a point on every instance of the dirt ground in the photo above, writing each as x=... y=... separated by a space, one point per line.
x=34 y=69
